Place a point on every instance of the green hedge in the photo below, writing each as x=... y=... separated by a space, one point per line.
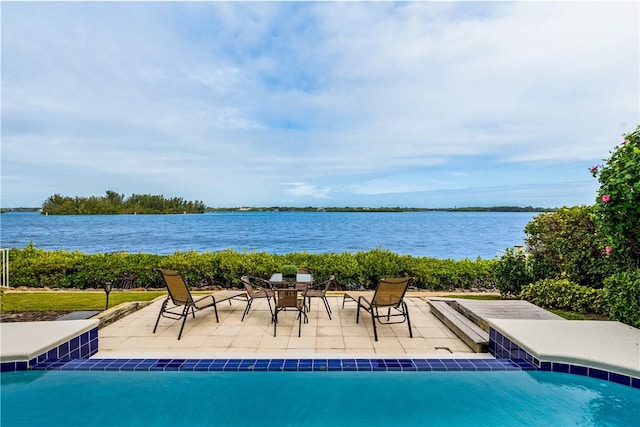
x=565 y=295
x=622 y=292
x=36 y=267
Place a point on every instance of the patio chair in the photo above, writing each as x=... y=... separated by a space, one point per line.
x=319 y=290
x=183 y=302
x=288 y=298
x=389 y=295
x=257 y=288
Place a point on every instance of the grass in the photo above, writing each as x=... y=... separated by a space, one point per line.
x=570 y=315
x=70 y=301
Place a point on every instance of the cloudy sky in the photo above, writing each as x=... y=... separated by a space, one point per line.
x=422 y=104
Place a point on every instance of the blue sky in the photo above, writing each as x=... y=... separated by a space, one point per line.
x=421 y=104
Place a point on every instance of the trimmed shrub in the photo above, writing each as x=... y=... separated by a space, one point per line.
x=617 y=209
x=511 y=273
x=567 y=245
x=622 y=292
x=37 y=268
x=565 y=295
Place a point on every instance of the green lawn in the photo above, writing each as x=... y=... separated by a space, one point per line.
x=70 y=301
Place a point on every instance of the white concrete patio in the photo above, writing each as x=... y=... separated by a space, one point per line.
x=133 y=335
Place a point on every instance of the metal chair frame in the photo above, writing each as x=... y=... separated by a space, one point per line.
x=180 y=296
x=389 y=294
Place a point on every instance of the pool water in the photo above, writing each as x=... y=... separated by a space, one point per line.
x=93 y=398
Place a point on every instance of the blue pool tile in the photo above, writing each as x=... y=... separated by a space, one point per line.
x=599 y=374
x=290 y=365
x=334 y=364
x=393 y=365
x=407 y=364
x=620 y=379
x=320 y=365
x=635 y=382
x=560 y=367
x=247 y=365
x=276 y=365
x=202 y=365
x=578 y=370
x=232 y=365
x=8 y=366
x=422 y=365
x=378 y=365
x=349 y=365
x=261 y=365
x=364 y=364
x=545 y=366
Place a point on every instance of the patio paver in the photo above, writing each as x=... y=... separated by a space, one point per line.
x=133 y=336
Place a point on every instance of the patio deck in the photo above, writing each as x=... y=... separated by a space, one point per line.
x=132 y=336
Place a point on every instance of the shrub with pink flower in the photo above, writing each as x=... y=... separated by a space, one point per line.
x=617 y=211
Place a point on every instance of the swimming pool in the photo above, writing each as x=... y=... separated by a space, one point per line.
x=163 y=398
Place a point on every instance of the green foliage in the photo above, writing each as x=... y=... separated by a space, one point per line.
x=565 y=295
x=114 y=203
x=289 y=270
x=567 y=244
x=35 y=267
x=617 y=209
x=623 y=296
x=511 y=273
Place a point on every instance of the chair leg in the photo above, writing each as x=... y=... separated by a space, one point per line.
x=274 y=306
x=326 y=305
x=373 y=320
x=246 y=309
x=215 y=308
x=164 y=305
x=274 y=319
x=406 y=311
x=185 y=314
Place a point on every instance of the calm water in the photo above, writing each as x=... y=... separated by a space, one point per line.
x=68 y=398
x=456 y=235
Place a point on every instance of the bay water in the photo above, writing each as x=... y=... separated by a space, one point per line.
x=454 y=235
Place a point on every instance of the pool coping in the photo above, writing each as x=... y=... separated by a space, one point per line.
x=74 y=343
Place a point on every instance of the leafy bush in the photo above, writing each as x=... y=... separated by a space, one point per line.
x=289 y=270
x=567 y=245
x=512 y=272
x=37 y=268
x=623 y=296
x=618 y=202
x=565 y=295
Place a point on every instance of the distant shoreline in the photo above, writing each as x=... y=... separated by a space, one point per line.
x=343 y=209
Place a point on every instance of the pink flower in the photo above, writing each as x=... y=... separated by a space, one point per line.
x=607 y=250
x=594 y=170
x=606 y=198
x=624 y=142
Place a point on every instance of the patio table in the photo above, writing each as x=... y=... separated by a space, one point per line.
x=301 y=281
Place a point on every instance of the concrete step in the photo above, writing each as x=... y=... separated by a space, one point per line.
x=472 y=335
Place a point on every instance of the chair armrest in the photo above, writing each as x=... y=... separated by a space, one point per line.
x=260 y=283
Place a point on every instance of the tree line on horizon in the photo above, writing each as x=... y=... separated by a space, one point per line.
x=115 y=203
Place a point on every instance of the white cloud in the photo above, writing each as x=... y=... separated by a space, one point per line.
x=225 y=101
